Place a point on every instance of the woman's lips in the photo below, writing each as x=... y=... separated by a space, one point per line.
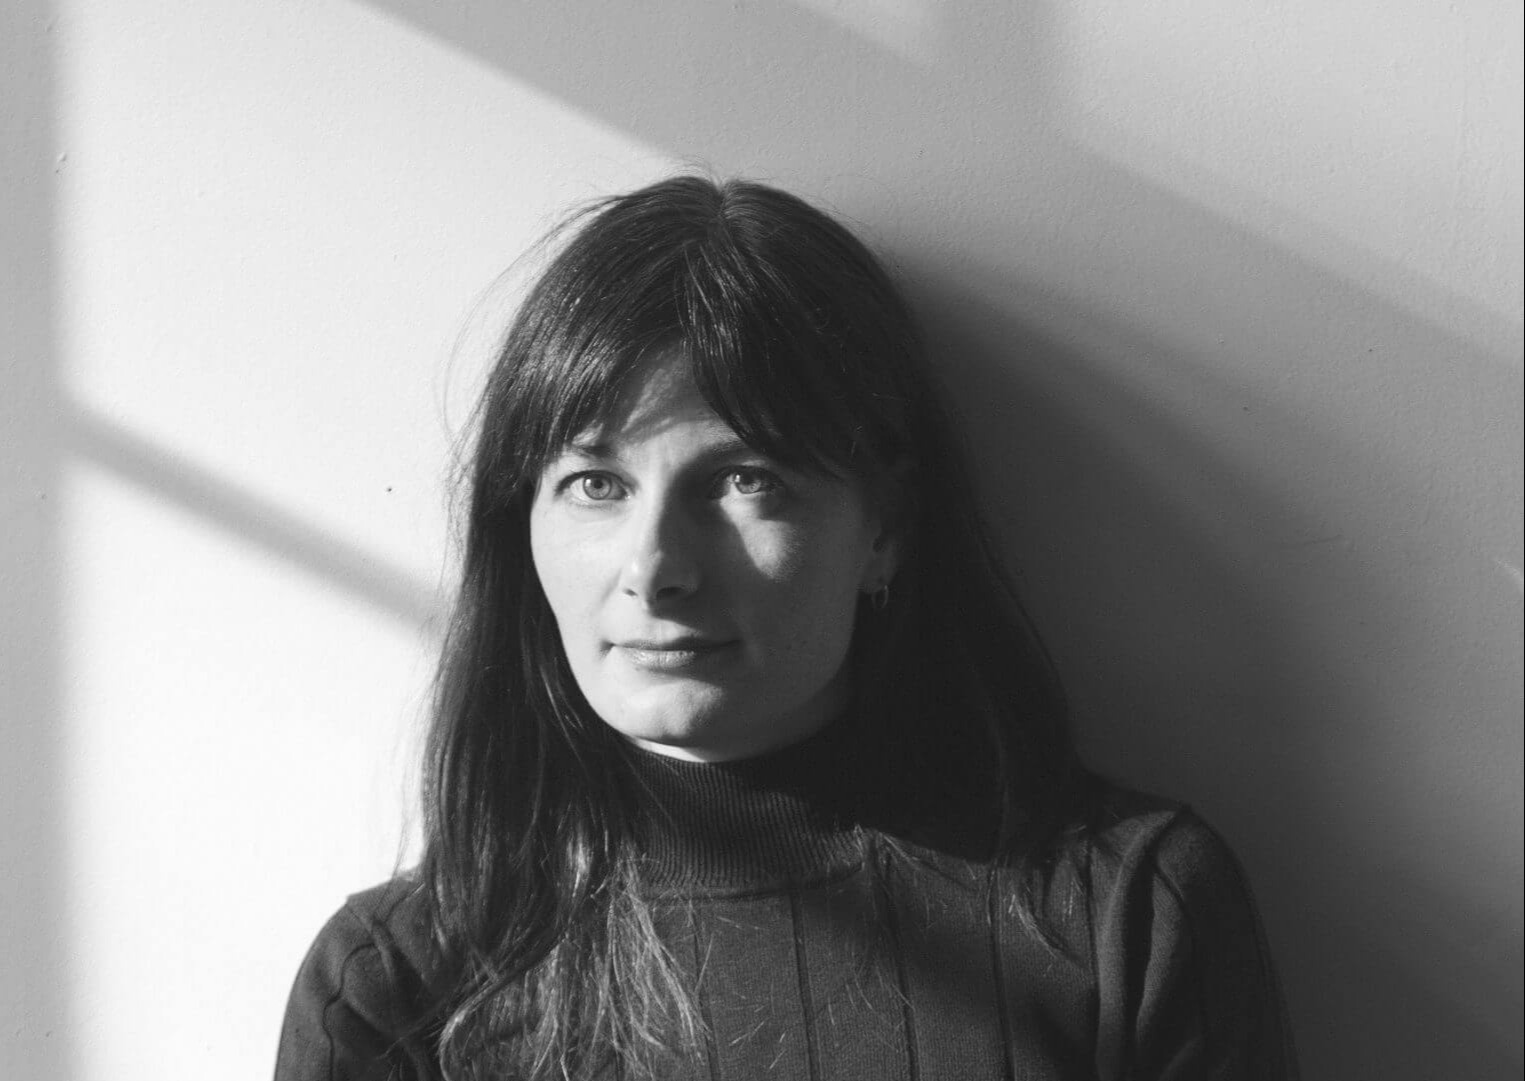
x=671 y=656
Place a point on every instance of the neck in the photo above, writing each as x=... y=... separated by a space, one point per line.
x=747 y=823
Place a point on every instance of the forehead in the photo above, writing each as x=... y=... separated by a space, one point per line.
x=659 y=396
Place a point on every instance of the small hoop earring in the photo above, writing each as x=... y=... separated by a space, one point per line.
x=879 y=599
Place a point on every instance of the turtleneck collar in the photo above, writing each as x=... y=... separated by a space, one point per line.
x=783 y=817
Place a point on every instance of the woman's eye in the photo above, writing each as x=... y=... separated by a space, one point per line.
x=751 y=481
x=595 y=487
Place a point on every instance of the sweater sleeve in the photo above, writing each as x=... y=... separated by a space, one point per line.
x=350 y=1014
x=1185 y=984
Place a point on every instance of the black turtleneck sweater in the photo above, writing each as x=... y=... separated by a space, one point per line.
x=823 y=948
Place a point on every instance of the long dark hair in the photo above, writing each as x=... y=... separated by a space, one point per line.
x=798 y=339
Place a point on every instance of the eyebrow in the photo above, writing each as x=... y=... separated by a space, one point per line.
x=723 y=448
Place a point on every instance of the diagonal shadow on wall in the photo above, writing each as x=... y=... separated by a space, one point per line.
x=250 y=516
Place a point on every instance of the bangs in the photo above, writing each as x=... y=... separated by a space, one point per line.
x=772 y=358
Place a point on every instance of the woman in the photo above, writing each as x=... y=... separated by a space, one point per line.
x=745 y=762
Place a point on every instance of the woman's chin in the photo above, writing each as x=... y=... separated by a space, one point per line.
x=706 y=722
x=707 y=738
x=695 y=737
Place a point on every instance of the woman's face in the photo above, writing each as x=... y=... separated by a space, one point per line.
x=704 y=594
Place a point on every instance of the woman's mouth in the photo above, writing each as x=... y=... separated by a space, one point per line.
x=671 y=656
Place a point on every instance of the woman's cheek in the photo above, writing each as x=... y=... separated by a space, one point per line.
x=778 y=555
x=569 y=567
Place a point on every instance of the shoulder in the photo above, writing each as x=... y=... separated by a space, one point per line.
x=393 y=916
x=1179 y=954
x=361 y=991
x=378 y=938
x=1136 y=832
x=1159 y=853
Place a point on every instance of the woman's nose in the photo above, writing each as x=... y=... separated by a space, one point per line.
x=664 y=560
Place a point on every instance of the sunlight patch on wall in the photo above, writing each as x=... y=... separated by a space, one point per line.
x=236 y=760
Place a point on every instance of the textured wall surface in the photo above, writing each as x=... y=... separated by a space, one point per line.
x=1229 y=297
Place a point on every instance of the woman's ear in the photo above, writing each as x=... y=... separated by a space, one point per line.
x=882 y=564
x=891 y=504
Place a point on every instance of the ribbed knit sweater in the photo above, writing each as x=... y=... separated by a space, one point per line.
x=825 y=950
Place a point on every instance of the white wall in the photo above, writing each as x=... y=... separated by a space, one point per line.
x=1229 y=294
